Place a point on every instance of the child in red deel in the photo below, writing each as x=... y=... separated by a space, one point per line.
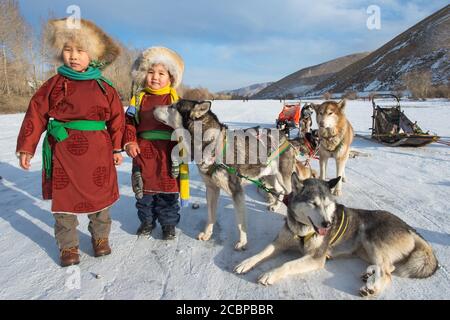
x=157 y=72
x=84 y=120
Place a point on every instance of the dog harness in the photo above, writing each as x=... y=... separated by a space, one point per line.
x=257 y=182
x=338 y=147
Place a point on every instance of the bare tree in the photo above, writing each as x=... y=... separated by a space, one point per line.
x=14 y=43
x=327 y=95
x=195 y=93
x=119 y=71
x=418 y=83
x=14 y=36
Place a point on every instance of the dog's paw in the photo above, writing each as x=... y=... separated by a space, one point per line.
x=367 y=274
x=204 y=236
x=244 y=267
x=371 y=278
x=240 y=246
x=366 y=292
x=268 y=278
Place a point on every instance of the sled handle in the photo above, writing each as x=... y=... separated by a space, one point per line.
x=384 y=95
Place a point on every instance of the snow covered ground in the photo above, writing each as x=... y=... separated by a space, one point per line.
x=412 y=183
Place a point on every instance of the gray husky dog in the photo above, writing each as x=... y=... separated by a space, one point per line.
x=226 y=174
x=322 y=228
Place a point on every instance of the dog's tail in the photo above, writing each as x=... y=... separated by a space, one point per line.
x=420 y=263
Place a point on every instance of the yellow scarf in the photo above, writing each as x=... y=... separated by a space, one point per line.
x=166 y=90
x=138 y=96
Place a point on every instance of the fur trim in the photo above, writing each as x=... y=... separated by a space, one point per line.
x=90 y=37
x=158 y=55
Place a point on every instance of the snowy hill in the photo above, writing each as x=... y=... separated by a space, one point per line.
x=247 y=91
x=412 y=183
x=299 y=82
x=423 y=47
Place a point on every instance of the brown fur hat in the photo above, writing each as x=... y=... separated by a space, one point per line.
x=158 y=55
x=90 y=37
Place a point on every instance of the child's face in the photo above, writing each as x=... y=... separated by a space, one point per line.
x=157 y=77
x=75 y=57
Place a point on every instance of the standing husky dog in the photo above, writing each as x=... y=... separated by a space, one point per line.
x=305 y=120
x=188 y=114
x=322 y=228
x=336 y=136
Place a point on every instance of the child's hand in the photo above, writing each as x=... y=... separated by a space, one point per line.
x=24 y=160
x=132 y=149
x=118 y=159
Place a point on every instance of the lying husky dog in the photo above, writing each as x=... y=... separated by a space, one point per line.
x=336 y=136
x=322 y=228
x=220 y=174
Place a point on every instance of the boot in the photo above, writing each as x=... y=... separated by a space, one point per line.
x=101 y=247
x=168 y=232
x=69 y=256
x=146 y=228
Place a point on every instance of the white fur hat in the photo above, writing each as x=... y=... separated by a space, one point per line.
x=90 y=37
x=158 y=55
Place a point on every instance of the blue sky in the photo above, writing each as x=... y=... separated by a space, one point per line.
x=235 y=43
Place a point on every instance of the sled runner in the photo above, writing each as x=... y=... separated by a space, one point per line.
x=392 y=127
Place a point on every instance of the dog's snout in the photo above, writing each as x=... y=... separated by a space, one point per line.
x=326 y=224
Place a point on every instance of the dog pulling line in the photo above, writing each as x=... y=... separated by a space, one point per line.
x=257 y=182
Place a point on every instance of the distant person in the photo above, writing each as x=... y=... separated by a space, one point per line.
x=84 y=119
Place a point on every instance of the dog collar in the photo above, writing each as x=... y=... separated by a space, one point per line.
x=342 y=228
x=337 y=236
x=305 y=238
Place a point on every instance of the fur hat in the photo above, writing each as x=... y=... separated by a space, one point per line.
x=158 y=55
x=95 y=41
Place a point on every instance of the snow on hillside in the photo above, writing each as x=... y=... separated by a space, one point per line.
x=422 y=48
x=412 y=183
x=247 y=91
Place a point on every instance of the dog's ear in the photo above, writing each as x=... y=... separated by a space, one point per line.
x=315 y=107
x=333 y=182
x=200 y=108
x=297 y=185
x=341 y=104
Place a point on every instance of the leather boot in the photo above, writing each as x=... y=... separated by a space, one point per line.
x=69 y=256
x=101 y=247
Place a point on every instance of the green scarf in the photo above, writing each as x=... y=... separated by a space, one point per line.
x=91 y=73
